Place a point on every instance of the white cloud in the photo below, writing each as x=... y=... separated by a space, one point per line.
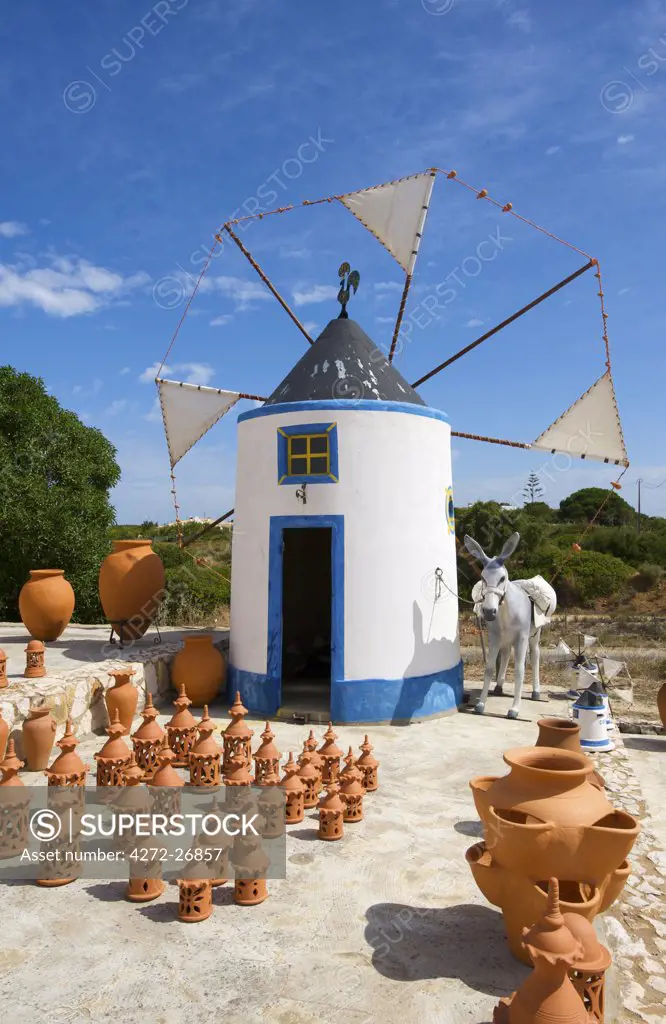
x=189 y=373
x=552 y=150
x=125 y=370
x=385 y=319
x=241 y=292
x=155 y=414
x=388 y=286
x=76 y=389
x=623 y=291
x=311 y=327
x=520 y=19
x=474 y=322
x=117 y=406
x=306 y=294
x=12 y=229
x=622 y=140
x=221 y=321
x=67 y=287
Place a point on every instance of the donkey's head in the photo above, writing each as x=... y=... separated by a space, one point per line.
x=494 y=575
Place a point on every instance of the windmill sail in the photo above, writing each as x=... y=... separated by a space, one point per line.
x=395 y=213
x=189 y=411
x=590 y=428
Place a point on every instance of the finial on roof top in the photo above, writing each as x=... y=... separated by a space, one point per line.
x=349 y=279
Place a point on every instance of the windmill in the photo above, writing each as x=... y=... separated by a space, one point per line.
x=374 y=438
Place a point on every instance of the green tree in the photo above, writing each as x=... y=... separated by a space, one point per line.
x=582 y=505
x=533 y=491
x=55 y=477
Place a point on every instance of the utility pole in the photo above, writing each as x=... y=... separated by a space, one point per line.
x=638 y=508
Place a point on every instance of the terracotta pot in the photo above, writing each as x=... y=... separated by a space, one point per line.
x=39 y=731
x=122 y=697
x=46 y=603
x=4 y=733
x=200 y=668
x=131 y=587
x=661 y=704
x=547 y=784
x=559 y=733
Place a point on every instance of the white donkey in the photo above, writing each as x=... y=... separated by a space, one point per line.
x=507 y=611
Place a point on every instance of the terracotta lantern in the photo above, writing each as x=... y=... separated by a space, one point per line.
x=112 y=759
x=331 y=814
x=147 y=739
x=34 y=660
x=547 y=996
x=68 y=769
x=218 y=845
x=315 y=760
x=195 y=895
x=182 y=730
x=14 y=806
x=145 y=872
x=3 y=669
x=295 y=790
x=205 y=755
x=311 y=742
x=368 y=765
x=133 y=799
x=352 y=792
x=122 y=696
x=238 y=772
x=588 y=976
x=330 y=755
x=237 y=736
x=251 y=864
x=311 y=780
x=271 y=806
x=166 y=783
x=267 y=756
x=349 y=760
x=65 y=865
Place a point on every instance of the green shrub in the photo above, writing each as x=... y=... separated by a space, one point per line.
x=171 y=554
x=193 y=594
x=592 y=575
x=647 y=577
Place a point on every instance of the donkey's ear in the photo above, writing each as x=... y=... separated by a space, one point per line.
x=475 y=549
x=509 y=548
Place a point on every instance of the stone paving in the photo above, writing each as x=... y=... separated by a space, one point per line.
x=635 y=926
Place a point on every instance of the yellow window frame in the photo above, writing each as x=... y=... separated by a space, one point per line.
x=308 y=455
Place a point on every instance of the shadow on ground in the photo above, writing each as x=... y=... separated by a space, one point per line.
x=645 y=742
x=465 y=942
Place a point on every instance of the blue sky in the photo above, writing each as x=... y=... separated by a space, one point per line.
x=129 y=134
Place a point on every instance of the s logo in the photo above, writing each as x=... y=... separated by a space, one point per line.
x=450 y=510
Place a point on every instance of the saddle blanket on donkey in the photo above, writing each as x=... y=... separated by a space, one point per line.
x=540 y=593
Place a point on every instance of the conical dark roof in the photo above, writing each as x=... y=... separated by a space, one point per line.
x=344 y=363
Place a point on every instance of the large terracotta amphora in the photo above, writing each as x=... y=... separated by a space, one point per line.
x=46 y=603
x=131 y=587
x=122 y=697
x=200 y=668
x=39 y=731
x=4 y=734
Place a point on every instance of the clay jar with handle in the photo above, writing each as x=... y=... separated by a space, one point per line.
x=131 y=587
x=39 y=731
x=46 y=603
x=122 y=696
x=200 y=668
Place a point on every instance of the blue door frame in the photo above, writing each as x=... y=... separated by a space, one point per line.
x=278 y=524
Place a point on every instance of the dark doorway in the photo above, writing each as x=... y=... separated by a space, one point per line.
x=306 y=620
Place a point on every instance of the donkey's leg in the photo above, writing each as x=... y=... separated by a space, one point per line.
x=491 y=661
x=519 y=657
x=504 y=656
x=535 y=660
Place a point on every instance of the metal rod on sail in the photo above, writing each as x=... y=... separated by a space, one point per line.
x=505 y=323
x=209 y=526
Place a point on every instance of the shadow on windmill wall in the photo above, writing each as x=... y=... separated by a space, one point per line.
x=426 y=692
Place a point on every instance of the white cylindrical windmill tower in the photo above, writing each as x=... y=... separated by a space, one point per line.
x=344 y=561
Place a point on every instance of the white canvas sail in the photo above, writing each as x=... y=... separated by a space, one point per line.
x=188 y=411
x=395 y=213
x=590 y=428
